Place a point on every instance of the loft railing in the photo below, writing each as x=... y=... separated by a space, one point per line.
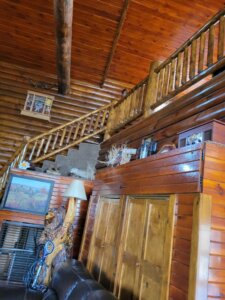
x=201 y=55
x=58 y=139
x=128 y=108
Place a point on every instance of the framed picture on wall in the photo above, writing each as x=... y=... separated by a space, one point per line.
x=28 y=194
x=38 y=105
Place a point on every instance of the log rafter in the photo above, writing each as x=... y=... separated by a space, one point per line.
x=63 y=12
x=115 y=41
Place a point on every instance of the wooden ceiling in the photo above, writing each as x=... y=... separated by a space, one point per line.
x=152 y=30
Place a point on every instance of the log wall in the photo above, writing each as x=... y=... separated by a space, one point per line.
x=14 y=83
x=57 y=199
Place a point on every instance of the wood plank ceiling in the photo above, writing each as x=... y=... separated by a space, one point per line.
x=152 y=30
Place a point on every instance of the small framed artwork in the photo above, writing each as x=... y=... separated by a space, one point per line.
x=38 y=105
x=28 y=194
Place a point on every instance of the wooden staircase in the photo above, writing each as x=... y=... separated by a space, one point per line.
x=57 y=140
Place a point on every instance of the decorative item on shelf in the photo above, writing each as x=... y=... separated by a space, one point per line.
x=210 y=131
x=148 y=147
x=38 y=105
x=24 y=165
x=63 y=239
x=119 y=155
x=167 y=147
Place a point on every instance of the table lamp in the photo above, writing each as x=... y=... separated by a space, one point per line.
x=74 y=191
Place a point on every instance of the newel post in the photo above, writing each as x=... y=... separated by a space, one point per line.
x=150 y=95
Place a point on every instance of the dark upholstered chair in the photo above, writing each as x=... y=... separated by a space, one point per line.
x=71 y=282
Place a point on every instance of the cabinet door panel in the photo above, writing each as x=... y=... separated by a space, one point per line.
x=108 y=268
x=143 y=259
x=103 y=254
x=98 y=241
x=132 y=238
x=153 y=254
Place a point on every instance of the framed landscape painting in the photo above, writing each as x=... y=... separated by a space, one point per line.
x=28 y=194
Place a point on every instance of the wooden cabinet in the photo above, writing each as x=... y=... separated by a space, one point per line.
x=139 y=254
x=193 y=227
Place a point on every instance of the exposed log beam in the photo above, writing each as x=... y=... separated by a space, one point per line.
x=115 y=41
x=63 y=11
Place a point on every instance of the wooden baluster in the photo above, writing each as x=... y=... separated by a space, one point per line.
x=134 y=104
x=103 y=118
x=136 y=101
x=193 y=59
x=140 y=95
x=165 y=81
x=111 y=120
x=123 y=114
x=131 y=107
x=221 y=38
x=62 y=136
x=83 y=128
x=179 y=70
x=185 y=66
x=55 y=140
x=210 y=46
x=47 y=144
x=126 y=112
x=201 y=53
x=128 y=108
x=97 y=120
x=69 y=134
x=151 y=88
x=90 y=124
x=76 y=131
x=32 y=151
x=40 y=147
x=160 y=84
x=172 y=75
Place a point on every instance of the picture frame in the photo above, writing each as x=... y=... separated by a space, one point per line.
x=27 y=194
x=38 y=105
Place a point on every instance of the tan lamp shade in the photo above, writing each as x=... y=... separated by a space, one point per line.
x=76 y=190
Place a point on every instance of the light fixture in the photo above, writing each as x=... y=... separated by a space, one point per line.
x=76 y=190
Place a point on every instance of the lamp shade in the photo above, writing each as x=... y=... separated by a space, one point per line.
x=76 y=190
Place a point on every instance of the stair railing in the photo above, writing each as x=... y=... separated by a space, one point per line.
x=13 y=162
x=202 y=55
x=58 y=139
x=129 y=108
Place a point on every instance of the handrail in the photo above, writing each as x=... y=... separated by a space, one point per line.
x=13 y=162
x=201 y=55
x=70 y=122
x=193 y=37
x=56 y=140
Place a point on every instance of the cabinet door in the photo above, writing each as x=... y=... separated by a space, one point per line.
x=131 y=248
x=103 y=256
x=146 y=249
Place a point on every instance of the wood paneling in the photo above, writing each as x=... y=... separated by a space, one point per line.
x=200 y=248
x=27 y=35
x=14 y=83
x=172 y=172
x=213 y=184
x=181 y=247
x=57 y=199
